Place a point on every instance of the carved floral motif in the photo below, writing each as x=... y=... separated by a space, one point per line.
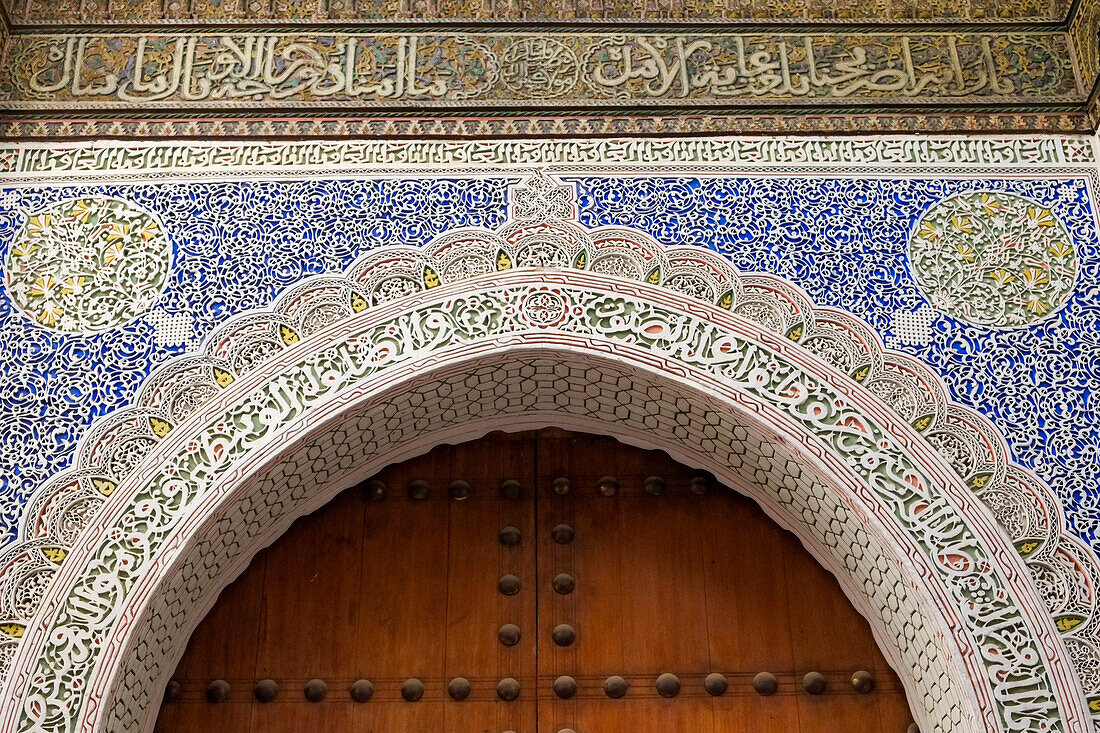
x=669 y=12
x=87 y=264
x=993 y=259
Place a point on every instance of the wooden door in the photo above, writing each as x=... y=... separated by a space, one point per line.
x=617 y=566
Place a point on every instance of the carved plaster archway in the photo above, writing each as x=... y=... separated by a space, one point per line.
x=856 y=450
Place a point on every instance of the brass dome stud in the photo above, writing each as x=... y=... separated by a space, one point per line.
x=315 y=690
x=511 y=490
x=412 y=690
x=668 y=685
x=655 y=486
x=615 y=686
x=562 y=534
x=508 y=634
x=361 y=690
x=266 y=690
x=765 y=683
x=374 y=490
x=608 y=485
x=508 y=585
x=716 y=684
x=699 y=485
x=566 y=730
x=814 y=683
x=217 y=691
x=562 y=486
x=563 y=634
x=459 y=490
x=418 y=490
x=510 y=536
x=508 y=689
x=172 y=691
x=459 y=688
x=565 y=687
x=863 y=681
x=913 y=728
x=564 y=583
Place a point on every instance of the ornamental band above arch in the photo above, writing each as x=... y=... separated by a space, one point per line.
x=544 y=234
x=581 y=69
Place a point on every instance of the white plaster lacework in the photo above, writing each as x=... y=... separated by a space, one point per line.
x=1064 y=570
x=993 y=258
x=88 y=264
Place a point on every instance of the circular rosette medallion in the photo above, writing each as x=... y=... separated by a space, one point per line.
x=88 y=264
x=544 y=309
x=993 y=259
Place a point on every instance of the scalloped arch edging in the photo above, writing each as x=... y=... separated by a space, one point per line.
x=572 y=262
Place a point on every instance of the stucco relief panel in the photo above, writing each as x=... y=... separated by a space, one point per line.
x=903 y=252
x=591 y=70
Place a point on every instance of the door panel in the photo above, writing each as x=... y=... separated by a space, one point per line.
x=303 y=635
x=739 y=591
x=397 y=588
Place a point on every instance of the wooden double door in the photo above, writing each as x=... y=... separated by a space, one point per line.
x=534 y=582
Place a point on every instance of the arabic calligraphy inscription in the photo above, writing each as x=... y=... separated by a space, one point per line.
x=496 y=69
x=540 y=68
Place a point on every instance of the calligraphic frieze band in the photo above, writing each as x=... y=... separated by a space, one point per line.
x=26 y=163
x=597 y=70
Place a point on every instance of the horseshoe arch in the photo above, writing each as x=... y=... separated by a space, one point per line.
x=541 y=323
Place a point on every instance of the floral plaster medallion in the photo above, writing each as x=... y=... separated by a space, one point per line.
x=993 y=259
x=88 y=264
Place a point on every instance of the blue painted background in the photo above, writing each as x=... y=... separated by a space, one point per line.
x=238 y=244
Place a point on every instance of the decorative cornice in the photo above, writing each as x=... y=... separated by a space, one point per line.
x=515 y=124
x=1084 y=27
x=341 y=15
